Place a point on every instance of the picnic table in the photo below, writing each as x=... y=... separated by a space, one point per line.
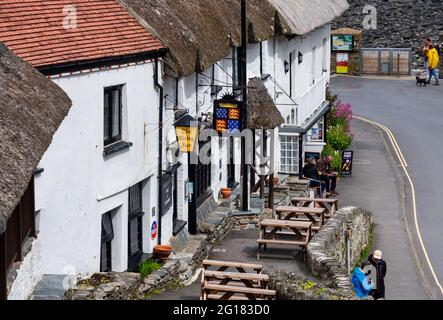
x=331 y=205
x=240 y=285
x=238 y=266
x=314 y=215
x=300 y=233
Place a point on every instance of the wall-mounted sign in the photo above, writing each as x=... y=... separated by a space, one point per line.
x=167 y=187
x=154 y=230
x=342 y=42
x=312 y=155
x=348 y=158
x=342 y=63
x=227 y=115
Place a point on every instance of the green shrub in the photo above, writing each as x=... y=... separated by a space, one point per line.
x=148 y=267
x=337 y=162
x=339 y=138
x=328 y=150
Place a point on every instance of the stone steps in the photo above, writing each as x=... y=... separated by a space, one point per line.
x=50 y=287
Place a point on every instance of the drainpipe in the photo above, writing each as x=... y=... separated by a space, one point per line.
x=160 y=149
x=300 y=155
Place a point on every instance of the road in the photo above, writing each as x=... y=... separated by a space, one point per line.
x=415 y=116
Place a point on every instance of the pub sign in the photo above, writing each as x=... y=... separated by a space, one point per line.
x=227 y=115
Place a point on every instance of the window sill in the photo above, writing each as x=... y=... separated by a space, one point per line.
x=315 y=143
x=116 y=147
x=179 y=225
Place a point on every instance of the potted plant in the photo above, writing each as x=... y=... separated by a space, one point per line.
x=226 y=192
x=162 y=251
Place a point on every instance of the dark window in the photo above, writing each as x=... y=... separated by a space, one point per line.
x=106 y=243
x=21 y=226
x=112 y=114
x=135 y=225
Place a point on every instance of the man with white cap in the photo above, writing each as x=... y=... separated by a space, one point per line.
x=380 y=266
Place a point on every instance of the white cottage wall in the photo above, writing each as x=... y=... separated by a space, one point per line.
x=80 y=184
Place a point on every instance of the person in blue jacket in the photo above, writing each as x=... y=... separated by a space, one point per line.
x=360 y=281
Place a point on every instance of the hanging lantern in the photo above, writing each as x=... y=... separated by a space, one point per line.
x=186 y=129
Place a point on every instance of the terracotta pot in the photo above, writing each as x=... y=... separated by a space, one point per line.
x=276 y=182
x=226 y=192
x=162 y=251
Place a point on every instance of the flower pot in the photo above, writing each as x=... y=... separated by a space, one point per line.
x=275 y=180
x=226 y=192
x=162 y=251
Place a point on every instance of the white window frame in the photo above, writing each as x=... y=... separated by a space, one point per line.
x=320 y=125
x=289 y=156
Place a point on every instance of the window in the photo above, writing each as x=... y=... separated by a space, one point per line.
x=326 y=50
x=314 y=64
x=112 y=115
x=316 y=132
x=291 y=73
x=106 y=243
x=289 y=154
x=135 y=224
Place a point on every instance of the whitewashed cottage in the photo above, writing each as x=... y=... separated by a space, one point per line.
x=112 y=183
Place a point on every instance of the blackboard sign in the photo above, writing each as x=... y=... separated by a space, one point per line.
x=166 y=188
x=348 y=158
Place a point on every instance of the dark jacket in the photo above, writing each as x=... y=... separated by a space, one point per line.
x=381 y=269
x=310 y=172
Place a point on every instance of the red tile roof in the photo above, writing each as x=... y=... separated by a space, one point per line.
x=34 y=30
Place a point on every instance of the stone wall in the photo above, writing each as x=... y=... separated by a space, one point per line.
x=400 y=23
x=291 y=287
x=327 y=251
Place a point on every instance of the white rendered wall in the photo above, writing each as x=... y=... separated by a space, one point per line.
x=79 y=184
x=29 y=273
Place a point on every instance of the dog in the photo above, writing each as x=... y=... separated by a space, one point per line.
x=422 y=78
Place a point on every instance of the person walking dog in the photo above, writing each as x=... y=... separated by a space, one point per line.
x=380 y=266
x=433 y=61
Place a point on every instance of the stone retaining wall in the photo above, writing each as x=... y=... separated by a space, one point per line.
x=291 y=287
x=327 y=251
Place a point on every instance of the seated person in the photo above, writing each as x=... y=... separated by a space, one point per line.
x=361 y=282
x=327 y=175
x=310 y=172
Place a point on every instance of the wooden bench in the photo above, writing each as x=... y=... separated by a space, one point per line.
x=240 y=285
x=314 y=215
x=224 y=292
x=300 y=233
x=331 y=205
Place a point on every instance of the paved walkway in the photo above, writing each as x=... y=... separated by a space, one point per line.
x=374 y=186
x=241 y=246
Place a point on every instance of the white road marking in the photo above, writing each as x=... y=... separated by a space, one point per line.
x=404 y=165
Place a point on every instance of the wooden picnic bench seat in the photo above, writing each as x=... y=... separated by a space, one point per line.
x=222 y=285
x=236 y=276
x=229 y=291
x=301 y=233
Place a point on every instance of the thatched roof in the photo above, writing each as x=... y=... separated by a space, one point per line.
x=299 y=17
x=262 y=111
x=199 y=33
x=31 y=109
